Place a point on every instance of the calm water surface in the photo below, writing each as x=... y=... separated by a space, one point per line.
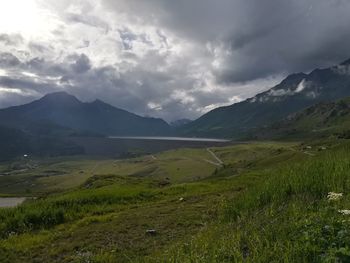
x=156 y=138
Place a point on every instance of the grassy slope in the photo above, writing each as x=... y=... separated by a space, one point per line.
x=36 y=177
x=267 y=204
x=285 y=219
x=319 y=121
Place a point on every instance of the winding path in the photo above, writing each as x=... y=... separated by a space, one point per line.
x=219 y=162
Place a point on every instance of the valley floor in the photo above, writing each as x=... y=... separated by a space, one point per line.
x=256 y=202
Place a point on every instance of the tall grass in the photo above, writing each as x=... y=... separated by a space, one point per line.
x=311 y=179
x=46 y=213
x=284 y=218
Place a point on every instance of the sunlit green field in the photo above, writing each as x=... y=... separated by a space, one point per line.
x=31 y=177
x=267 y=202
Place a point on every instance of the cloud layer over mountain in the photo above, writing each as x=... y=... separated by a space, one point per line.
x=164 y=58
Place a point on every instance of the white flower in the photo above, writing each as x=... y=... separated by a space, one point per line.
x=334 y=196
x=344 y=212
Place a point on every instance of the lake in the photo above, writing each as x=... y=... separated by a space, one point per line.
x=125 y=146
x=11 y=201
x=158 y=138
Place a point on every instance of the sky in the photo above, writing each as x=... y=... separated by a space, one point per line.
x=164 y=58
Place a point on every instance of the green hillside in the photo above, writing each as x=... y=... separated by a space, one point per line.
x=293 y=94
x=319 y=121
x=267 y=202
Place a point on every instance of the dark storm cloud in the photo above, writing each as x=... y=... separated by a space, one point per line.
x=26 y=85
x=81 y=64
x=257 y=38
x=127 y=38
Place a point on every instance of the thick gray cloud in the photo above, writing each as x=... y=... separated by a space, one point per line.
x=81 y=64
x=8 y=60
x=254 y=38
x=165 y=58
x=13 y=40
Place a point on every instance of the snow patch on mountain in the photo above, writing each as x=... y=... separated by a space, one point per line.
x=304 y=87
x=301 y=86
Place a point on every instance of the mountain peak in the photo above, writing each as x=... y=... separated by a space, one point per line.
x=296 y=92
x=101 y=104
x=296 y=77
x=346 y=62
x=65 y=110
x=98 y=101
x=60 y=97
x=58 y=94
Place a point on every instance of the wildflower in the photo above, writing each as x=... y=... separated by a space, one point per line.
x=334 y=196
x=344 y=212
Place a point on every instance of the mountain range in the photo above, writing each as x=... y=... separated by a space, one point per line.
x=65 y=113
x=301 y=105
x=295 y=93
x=46 y=127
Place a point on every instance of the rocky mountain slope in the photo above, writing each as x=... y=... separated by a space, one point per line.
x=296 y=92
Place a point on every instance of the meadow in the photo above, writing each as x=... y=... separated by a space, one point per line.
x=267 y=202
